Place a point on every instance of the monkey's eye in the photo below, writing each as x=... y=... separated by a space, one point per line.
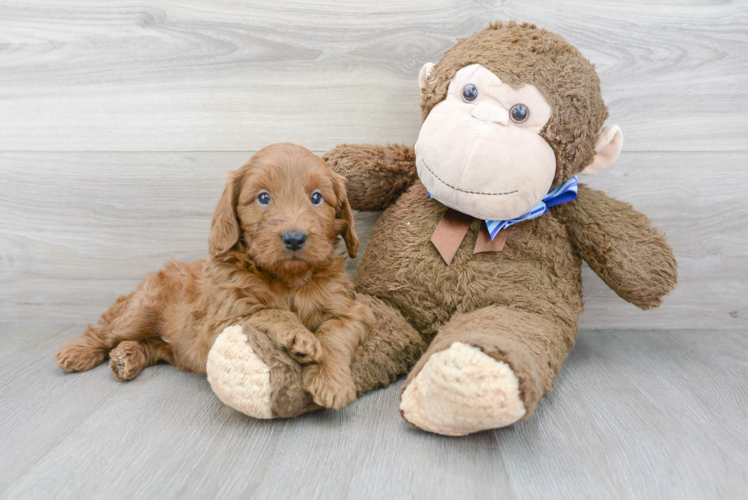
x=316 y=198
x=470 y=92
x=263 y=198
x=519 y=113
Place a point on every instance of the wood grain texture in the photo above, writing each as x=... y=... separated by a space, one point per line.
x=648 y=414
x=220 y=75
x=79 y=229
x=118 y=122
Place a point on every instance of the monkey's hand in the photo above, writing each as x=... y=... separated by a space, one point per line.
x=375 y=175
x=621 y=245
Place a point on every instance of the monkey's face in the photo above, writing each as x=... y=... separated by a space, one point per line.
x=479 y=150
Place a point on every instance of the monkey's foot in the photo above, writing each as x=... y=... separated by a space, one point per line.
x=462 y=390
x=250 y=375
x=238 y=376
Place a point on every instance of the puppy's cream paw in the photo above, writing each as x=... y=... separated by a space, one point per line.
x=302 y=345
x=238 y=376
x=329 y=387
x=462 y=390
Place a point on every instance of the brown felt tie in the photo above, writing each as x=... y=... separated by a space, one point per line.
x=484 y=243
x=451 y=230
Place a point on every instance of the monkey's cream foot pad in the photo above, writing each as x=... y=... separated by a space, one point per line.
x=238 y=376
x=462 y=390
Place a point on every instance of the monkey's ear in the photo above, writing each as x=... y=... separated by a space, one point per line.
x=224 y=229
x=607 y=148
x=424 y=75
x=344 y=223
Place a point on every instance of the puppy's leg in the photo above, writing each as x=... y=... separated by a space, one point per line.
x=288 y=332
x=129 y=358
x=85 y=352
x=330 y=381
x=390 y=350
x=131 y=317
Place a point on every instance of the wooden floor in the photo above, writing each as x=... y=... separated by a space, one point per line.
x=635 y=414
x=118 y=122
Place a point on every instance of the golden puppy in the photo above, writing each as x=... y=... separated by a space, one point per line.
x=273 y=266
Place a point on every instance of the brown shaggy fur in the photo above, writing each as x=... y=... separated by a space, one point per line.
x=520 y=305
x=301 y=299
x=523 y=53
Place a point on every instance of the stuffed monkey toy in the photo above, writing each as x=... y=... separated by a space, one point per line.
x=473 y=269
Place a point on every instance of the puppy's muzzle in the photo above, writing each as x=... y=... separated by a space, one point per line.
x=294 y=240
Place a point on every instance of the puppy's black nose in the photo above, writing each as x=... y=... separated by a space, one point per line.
x=294 y=240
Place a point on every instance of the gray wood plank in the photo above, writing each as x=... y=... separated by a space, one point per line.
x=663 y=406
x=41 y=407
x=648 y=414
x=216 y=75
x=79 y=229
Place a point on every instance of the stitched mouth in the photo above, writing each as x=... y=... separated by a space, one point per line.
x=462 y=190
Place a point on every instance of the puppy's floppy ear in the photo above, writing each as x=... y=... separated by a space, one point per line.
x=224 y=229
x=344 y=224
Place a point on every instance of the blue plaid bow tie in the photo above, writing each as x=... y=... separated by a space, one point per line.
x=563 y=193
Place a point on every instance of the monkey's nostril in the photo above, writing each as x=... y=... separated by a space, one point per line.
x=294 y=240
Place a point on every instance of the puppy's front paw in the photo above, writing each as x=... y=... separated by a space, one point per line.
x=331 y=388
x=302 y=345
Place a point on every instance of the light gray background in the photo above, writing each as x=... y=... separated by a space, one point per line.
x=118 y=122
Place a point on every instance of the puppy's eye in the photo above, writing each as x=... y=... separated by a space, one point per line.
x=469 y=92
x=316 y=198
x=263 y=198
x=519 y=113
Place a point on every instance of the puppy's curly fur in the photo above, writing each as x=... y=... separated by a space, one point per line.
x=300 y=297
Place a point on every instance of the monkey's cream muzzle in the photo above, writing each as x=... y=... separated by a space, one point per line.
x=490 y=113
x=472 y=157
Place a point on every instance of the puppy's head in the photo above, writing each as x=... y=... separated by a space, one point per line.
x=286 y=209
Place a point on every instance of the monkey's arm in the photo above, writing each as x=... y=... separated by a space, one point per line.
x=375 y=175
x=621 y=245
